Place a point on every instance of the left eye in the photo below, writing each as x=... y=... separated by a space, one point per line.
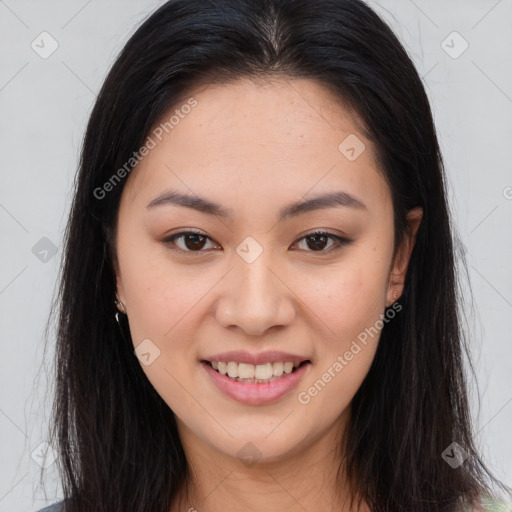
x=319 y=238
x=194 y=241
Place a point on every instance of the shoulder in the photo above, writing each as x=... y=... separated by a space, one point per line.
x=489 y=504
x=56 y=507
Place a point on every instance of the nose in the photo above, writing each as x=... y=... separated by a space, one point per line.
x=255 y=297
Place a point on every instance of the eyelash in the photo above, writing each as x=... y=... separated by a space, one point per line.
x=338 y=240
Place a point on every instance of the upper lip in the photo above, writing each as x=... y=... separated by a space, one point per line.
x=242 y=356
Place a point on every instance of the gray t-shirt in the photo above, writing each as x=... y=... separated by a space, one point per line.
x=56 y=507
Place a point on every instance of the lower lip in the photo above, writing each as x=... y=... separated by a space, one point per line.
x=252 y=393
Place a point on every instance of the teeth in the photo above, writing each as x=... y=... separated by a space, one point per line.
x=261 y=372
x=278 y=369
x=232 y=369
x=245 y=371
x=288 y=367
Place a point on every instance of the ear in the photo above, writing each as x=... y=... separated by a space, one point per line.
x=119 y=281
x=403 y=255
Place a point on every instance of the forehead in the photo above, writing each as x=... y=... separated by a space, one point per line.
x=259 y=139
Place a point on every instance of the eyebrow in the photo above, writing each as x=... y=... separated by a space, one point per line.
x=329 y=200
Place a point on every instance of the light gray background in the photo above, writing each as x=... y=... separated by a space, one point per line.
x=45 y=104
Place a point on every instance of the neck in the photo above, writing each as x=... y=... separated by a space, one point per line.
x=306 y=479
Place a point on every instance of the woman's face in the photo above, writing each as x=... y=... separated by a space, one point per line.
x=256 y=280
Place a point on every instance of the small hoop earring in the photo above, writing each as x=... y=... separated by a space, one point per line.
x=118 y=320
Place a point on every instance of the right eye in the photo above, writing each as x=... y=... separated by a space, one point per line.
x=193 y=241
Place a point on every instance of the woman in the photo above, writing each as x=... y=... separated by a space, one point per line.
x=259 y=307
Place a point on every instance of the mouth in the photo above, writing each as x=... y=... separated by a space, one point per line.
x=259 y=384
x=256 y=374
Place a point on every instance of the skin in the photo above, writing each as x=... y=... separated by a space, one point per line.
x=255 y=148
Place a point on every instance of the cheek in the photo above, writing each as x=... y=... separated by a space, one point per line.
x=159 y=293
x=161 y=299
x=348 y=310
x=348 y=298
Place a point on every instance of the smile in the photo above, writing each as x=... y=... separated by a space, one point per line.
x=256 y=384
x=259 y=373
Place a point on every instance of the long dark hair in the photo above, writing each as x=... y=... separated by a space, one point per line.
x=117 y=438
